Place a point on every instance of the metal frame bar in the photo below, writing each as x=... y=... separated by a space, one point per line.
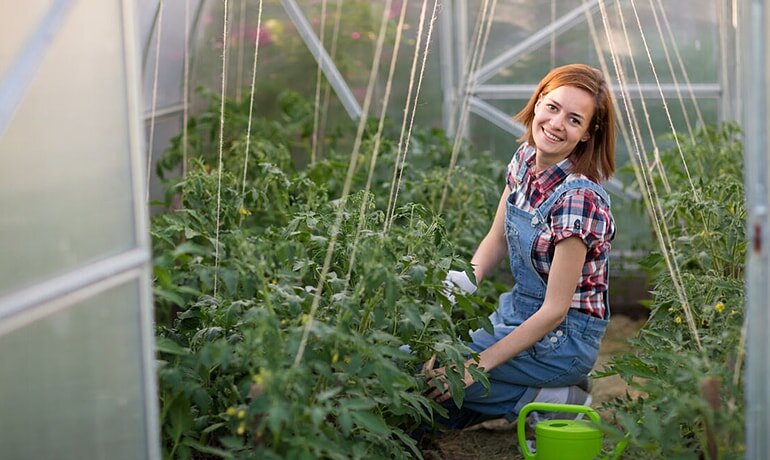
x=536 y=40
x=647 y=90
x=23 y=300
x=134 y=73
x=322 y=57
x=446 y=60
x=496 y=116
x=18 y=77
x=754 y=71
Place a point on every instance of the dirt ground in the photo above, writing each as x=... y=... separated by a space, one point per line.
x=496 y=440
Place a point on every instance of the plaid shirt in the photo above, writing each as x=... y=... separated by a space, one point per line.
x=580 y=212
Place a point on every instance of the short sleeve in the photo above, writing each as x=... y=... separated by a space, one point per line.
x=582 y=213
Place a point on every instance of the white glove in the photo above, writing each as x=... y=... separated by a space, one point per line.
x=457 y=280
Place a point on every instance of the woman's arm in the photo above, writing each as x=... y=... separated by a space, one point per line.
x=569 y=257
x=568 y=260
x=494 y=246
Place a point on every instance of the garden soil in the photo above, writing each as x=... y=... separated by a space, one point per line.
x=496 y=440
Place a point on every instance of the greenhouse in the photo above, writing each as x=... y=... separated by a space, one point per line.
x=267 y=229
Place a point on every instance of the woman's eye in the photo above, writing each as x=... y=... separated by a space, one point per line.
x=574 y=121
x=551 y=107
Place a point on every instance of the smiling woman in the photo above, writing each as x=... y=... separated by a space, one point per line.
x=554 y=222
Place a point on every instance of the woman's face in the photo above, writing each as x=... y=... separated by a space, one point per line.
x=562 y=119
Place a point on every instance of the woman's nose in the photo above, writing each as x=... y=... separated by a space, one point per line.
x=557 y=121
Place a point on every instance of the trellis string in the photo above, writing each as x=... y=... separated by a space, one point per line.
x=241 y=50
x=317 y=99
x=251 y=102
x=221 y=146
x=660 y=227
x=412 y=73
x=327 y=86
x=346 y=187
x=657 y=163
x=477 y=59
x=606 y=72
x=665 y=104
x=682 y=67
x=186 y=87
x=377 y=139
x=151 y=139
x=414 y=111
x=685 y=112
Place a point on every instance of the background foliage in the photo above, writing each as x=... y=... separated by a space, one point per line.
x=231 y=383
x=690 y=402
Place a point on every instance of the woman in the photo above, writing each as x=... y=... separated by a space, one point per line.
x=554 y=223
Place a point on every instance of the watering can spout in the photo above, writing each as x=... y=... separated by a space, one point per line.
x=565 y=439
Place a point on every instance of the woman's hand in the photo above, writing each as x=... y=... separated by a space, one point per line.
x=438 y=385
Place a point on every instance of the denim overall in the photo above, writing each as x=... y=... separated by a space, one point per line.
x=564 y=355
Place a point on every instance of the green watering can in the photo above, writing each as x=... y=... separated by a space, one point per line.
x=565 y=439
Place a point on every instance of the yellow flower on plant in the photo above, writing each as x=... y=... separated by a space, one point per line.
x=244 y=212
x=241 y=414
x=241 y=429
x=678 y=319
x=335 y=358
x=719 y=307
x=230 y=411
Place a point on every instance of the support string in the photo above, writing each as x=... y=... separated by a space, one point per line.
x=377 y=139
x=414 y=110
x=251 y=102
x=221 y=146
x=317 y=105
x=655 y=150
x=477 y=59
x=241 y=51
x=665 y=104
x=151 y=140
x=346 y=187
x=660 y=227
x=685 y=112
x=327 y=86
x=606 y=72
x=186 y=87
x=409 y=91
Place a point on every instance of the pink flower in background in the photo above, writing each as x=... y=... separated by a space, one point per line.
x=395 y=9
x=250 y=35
x=359 y=92
x=315 y=21
x=355 y=35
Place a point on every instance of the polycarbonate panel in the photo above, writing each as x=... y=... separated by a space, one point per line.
x=171 y=68
x=65 y=188
x=693 y=23
x=72 y=383
x=18 y=25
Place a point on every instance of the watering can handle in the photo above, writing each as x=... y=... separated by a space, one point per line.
x=549 y=407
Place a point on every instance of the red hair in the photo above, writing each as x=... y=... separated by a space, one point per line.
x=594 y=158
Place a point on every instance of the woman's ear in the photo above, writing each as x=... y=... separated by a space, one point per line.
x=585 y=137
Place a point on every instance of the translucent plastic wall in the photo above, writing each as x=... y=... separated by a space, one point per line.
x=75 y=330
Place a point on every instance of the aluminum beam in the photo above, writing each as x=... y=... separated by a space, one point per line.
x=496 y=116
x=753 y=75
x=536 y=40
x=446 y=60
x=648 y=90
x=14 y=84
x=322 y=57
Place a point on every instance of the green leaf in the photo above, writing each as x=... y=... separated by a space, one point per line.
x=166 y=345
x=371 y=422
x=208 y=449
